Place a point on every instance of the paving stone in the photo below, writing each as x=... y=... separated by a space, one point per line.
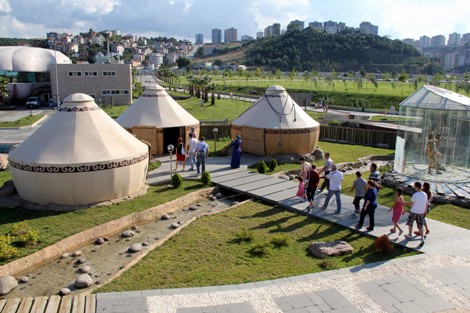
x=370 y=287
x=224 y=308
x=384 y=298
x=334 y=298
x=404 y=291
x=434 y=304
x=409 y=307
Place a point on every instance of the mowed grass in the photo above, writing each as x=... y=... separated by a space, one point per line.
x=24 y=121
x=205 y=252
x=115 y=110
x=223 y=109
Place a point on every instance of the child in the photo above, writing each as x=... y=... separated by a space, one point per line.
x=398 y=208
x=301 y=191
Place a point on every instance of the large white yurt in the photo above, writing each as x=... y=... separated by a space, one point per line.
x=79 y=156
x=276 y=124
x=158 y=119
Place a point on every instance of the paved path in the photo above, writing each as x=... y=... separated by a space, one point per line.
x=435 y=281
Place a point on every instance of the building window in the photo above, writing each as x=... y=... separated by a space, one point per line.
x=93 y=96
x=109 y=74
x=106 y=92
x=90 y=74
x=75 y=74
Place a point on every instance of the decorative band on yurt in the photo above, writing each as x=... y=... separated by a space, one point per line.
x=83 y=168
x=152 y=96
x=291 y=131
x=79 y=109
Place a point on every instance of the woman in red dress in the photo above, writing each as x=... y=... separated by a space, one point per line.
x=180 y=153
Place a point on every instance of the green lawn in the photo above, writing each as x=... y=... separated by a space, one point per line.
x=223 y=109
x=25 y=121
x=204 y=253
x=115 y=110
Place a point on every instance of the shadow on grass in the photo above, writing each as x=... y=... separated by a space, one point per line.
x=20 y=214
x=195 y=187
x=265 y=213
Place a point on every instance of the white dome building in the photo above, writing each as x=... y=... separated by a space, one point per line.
x=79 y=156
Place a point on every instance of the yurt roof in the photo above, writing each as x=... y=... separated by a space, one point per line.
x=78 y=133
x=432 y=97
x=156 y=108
x=275 y=110
x=29 y=59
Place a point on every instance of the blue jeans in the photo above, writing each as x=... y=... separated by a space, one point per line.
x=201 y=160
x=330 y=194
x=192 y=157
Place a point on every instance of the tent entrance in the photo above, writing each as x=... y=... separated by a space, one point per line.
x=171 y=135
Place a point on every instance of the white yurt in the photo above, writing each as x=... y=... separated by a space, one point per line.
x=158 y=119
x=79 y=156
x=276 y=124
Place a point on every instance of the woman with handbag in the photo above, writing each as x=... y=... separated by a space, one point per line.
x=180 y=153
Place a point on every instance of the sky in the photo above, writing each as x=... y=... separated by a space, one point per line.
x=183 y=19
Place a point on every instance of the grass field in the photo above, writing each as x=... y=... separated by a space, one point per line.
x=25 y=121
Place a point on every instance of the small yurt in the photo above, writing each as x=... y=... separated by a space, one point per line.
x=79 y=156
x=158 y=119
x=276 y=124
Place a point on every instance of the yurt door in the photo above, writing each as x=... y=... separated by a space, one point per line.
x=171 y=135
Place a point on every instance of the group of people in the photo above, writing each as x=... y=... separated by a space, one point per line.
x=367 y=191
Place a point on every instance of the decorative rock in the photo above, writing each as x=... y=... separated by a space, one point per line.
x=219 y=195
x=127 y=234
x=7 y=284
x=198 y=204
x=23 y=279
x=193 y=208
x=84 y=269
x=285 y=177
x=99 y=241
x=175 y=225
x=325 y=249
x=145 y=243
x=94 y=249
x=80 y=261
x=64 y=291
x=165 y=217
x=77 y=253
x=133 y=228
x=83 y=281
x=319 y=154
x=64 y=256
x=136 y=247
x=212 y=198
x=292 y=176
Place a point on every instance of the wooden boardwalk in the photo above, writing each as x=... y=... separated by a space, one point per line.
x=82 y=303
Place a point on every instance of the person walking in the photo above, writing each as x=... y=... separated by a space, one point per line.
x=369 y=207
x=418 y=203
x=202 y=152
x=180 y=153
x=375 y=176
x=236 y=152
x=313 y=180
x=427 y=190
x=301 y=189
x=191 y=150
x=327 y=170
x=360 y=186
x=335 y=178
x=398 y=208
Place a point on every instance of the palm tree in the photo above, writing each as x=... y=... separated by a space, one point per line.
x=4 y=91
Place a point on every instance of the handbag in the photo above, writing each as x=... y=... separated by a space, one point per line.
x=182 y=150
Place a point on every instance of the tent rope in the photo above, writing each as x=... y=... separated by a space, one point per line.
x=280 y=114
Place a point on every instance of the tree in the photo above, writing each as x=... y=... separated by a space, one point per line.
x=199 y=53
x=183 y=62
x=403 y=78
x=4 y=91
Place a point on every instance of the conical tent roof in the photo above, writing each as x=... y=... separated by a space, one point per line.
x=156 y=108
x=275 y=110
x=432 y=97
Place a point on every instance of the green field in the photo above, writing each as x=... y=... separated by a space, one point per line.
x=25 y=121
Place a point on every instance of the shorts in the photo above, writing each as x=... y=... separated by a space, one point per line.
x=419 y=218
x=180 y=157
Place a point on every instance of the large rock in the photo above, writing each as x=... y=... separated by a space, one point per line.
x=7 y=284
x=83 y=281
x=325 y=249
x=319 y=154
x=136 y=247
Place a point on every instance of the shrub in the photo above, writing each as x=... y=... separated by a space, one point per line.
x=206 y=178
x=328 y=264
x=272 y=165
x=383 y=244
x=260 y=249
x=153 y=165
x=6 y=250
x=262 y=167
x=24 y=234
x=280 y=241
x=243 y=236
x=176 y=180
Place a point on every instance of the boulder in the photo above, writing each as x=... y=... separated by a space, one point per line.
x=7 y=284
x=136 y=247
x=127 y=234
x=83 y=281
x=285 y=177
x=325 y=249
x=319 y=154
x=64 y=291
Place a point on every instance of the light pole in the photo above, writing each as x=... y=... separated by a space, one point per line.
x=170 y=149
x=215 y=130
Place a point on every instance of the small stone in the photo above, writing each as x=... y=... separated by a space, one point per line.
x=193 y=208
x=77 y=253
x=98 y=282
x=291 y=176
x=64 y=256
x=94 y=249
x=198 y=204
x=136 y=247
x=80 y=261
x=134 y=228
x=105 y=238
x=145 y=243
x=285 y=177
x=138 y=231
x=212 y=198
x=127 y=234
x=84 y=269
x=7 y=284
x=99 y=241
x=23 y=279
x=219 y=195
x=175 y=225
x=165 y=217
x=83 y=281
x=64 y=291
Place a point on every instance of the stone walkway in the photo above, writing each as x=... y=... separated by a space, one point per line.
x=435 y=281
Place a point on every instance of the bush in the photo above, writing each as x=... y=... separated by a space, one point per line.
x=383 y=244
x=6 y=250
x=272 y=165
x=206 y=178
x=262 y=167
x=153 y=165
x=24 y=234
x=280 y=241
x=176 y=180
x=243 y=236
x=260 y=249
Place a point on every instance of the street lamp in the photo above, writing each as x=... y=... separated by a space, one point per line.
x=170 y=149
x=215 y=130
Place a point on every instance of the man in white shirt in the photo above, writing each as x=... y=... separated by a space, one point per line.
x=419 y=204
x=335 y=177
x=191 y=150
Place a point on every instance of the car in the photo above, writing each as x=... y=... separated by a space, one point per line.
x=33 y=102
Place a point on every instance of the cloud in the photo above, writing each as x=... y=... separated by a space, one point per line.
x=100 y=7
x=5 y=6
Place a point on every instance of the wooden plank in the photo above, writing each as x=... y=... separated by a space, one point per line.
x=25 y=305
x=462 y=186
x=78 y=303
x=90 y=304
x=66 y=304
x=440 y=190
x=2 y=304
x=459 y=192
x=53 y=304
x=11 y=306
x=39 y=305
